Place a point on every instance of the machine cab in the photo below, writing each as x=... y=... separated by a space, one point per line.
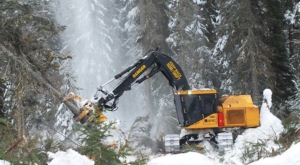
x=195 y=105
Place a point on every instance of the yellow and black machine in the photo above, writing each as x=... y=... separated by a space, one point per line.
x=199 y=111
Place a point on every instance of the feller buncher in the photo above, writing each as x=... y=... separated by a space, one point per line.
x=200 y=111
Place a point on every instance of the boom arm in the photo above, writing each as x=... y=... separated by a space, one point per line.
x=161 y=62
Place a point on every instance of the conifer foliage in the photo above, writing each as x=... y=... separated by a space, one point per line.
x=25 y=38
x=29 y=70
x=245 y=58
x=93 y=138
x=97 y=144
x=284 y=86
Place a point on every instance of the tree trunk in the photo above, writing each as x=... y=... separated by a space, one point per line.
x=2 y=90
x=154 y=23
x=290 y=41
x=254 y=81
x=38 y=77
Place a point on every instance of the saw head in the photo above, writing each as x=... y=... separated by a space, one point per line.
x=89 y=111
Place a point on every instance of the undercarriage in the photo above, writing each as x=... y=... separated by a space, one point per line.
x=221 y=140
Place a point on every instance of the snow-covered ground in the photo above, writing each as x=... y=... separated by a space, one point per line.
x=69 y=157
x=270 y=128
x=2 y=162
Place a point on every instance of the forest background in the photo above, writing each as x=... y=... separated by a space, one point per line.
x=236 y=47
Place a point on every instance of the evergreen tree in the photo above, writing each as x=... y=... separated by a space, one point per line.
x=129 y=51
x=153 y=22
x=284 y=86
x=90 y=37
x=185 y=24
x=93 y=138
x=128 y=21
x=192 y=39
x=167 y=116
x=243 y=60
x=26 y=34
x=291 y=11
x=293 y=37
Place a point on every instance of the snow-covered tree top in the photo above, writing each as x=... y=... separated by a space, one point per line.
x=268 y=97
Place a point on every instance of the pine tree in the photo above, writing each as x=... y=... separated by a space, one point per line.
x=293 y=37
x=167 y=116
x=90 y=37
x=129 y=51
x=154 y=31
x=183 y=40
x=130 y=31
x=26 y=38
x=243 y=60
x=191 y=40
x=91 y=34
x=93 y=138
x=205 y=73
x=284 y=86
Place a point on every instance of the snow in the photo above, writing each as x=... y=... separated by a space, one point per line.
x=190 y=158
x=268 y=97
x=269 y=130
x=220 y=44
x=290 y=157
x=70 y=157
x=290 y=16
x=133 y=13
x=3 y=162
x=200 y=2
x=193 y=158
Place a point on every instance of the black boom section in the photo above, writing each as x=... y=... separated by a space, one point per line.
x=172 y=71
x=158 y=63
x=139 y=68
x=165 y=64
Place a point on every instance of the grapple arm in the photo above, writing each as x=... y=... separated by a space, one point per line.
x=89 y=111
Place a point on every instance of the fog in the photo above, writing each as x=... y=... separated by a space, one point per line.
x=92 y=37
